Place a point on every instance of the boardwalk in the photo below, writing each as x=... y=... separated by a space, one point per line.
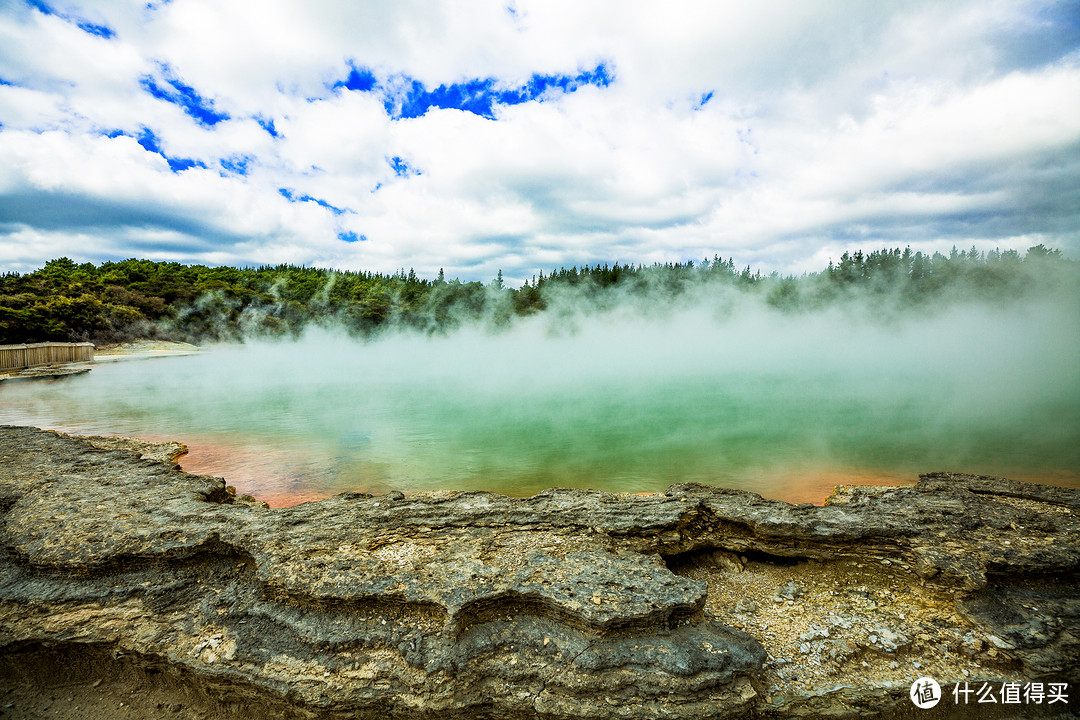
x=16 y=357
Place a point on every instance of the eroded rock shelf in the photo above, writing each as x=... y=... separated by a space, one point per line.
x=697 y=603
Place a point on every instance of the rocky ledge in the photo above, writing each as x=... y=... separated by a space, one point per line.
x=698 y=603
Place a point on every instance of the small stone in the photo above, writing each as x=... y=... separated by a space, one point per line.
x=726 y=561
x=842 y=622
x=972 y=646
x=746 y=606
x=791 y=591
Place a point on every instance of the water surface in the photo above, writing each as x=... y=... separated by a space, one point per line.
x=783 y=406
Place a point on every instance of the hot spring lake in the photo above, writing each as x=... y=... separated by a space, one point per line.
x=783 y=407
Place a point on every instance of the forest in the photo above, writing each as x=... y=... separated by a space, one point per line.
x=118 y=301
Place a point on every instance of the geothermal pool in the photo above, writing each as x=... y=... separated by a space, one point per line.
x=786 y=407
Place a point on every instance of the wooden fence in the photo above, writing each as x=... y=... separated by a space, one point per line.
x=15 y=357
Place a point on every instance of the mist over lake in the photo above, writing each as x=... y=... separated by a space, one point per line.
x=619 y=400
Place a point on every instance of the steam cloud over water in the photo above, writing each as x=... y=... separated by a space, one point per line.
x=736 y=395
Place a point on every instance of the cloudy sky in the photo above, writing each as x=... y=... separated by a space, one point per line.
x=527 y=134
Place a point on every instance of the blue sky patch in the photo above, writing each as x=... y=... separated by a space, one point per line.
x=185 y=96
x=237 y=164
x=101 y=31
x=150 y=143
x=481 y=96
x=539 y=84
x=146 y=138
x=401 y=168
x=360 y=80
x=405 y=97
x=267 y=125
x=475 y=96
x=180 y=164
x=351 y=237
x=291 y=196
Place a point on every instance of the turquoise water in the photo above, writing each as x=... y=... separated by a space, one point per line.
x=784 y=407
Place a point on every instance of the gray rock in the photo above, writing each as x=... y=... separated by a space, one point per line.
x=746 y=606
x=791 y=591
x=456 y=605
x=890 y=640
x=814 y=633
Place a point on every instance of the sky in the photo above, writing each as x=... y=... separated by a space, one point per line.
x=475 y=136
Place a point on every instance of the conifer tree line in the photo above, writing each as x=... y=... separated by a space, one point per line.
x=118 y=301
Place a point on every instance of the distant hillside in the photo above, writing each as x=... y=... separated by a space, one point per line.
x=118 y=301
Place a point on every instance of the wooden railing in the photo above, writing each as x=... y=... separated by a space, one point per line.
x=15 y=357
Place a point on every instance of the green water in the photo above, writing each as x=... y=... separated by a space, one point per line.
x=617 y=407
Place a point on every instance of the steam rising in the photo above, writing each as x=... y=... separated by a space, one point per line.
x=726 y=391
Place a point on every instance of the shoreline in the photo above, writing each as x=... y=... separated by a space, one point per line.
x=143 y=349
x=116 y=352
x=206 y=458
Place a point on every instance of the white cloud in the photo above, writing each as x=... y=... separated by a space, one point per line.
x=830 y=126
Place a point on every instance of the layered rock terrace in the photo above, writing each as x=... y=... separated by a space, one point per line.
x=697 y=603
